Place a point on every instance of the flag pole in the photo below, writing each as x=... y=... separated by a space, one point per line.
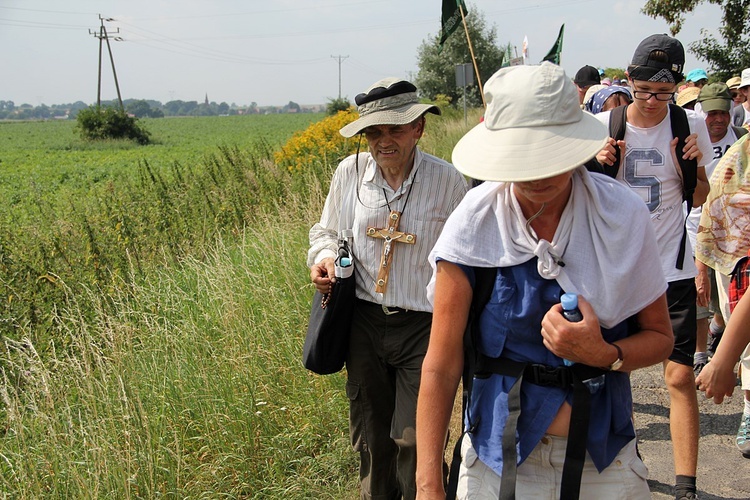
x=471 y=50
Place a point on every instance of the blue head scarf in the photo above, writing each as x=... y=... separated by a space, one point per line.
x=594 y=105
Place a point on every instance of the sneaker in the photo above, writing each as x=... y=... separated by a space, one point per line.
x=713 y=342
x=743 y=436
x=690 y=495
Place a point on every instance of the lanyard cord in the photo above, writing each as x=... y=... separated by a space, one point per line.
x=408 y=193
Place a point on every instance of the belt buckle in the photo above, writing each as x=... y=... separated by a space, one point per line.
x=387 y=311
x=549 y=376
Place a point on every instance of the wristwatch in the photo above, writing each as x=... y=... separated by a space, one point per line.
x=618 y=362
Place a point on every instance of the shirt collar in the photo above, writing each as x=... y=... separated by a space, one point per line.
x=373 y=175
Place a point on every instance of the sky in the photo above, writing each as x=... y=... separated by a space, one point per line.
x=274 y=51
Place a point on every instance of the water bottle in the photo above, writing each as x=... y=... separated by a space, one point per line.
x=570 y=312
x=343 y=267
x=569 y=302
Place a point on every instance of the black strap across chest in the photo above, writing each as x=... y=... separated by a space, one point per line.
x=479 y=366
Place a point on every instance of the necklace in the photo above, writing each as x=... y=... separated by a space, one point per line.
x=390 y=235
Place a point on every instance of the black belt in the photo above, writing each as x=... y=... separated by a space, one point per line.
x=575 y=377
x=387 y=310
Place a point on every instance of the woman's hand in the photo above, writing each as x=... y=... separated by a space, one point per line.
x=580 y=342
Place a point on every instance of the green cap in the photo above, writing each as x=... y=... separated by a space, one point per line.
x=715 y=97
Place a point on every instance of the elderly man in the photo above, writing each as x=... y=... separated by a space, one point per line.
x=393 y=201
x=716 y=101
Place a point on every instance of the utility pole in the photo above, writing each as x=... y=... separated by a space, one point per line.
x=340 y=59
x=103 y=35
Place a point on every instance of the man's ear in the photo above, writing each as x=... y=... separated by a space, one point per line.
x=420 y=125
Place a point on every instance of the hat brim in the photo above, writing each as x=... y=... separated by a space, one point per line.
x=528 y=153
x=587 y=83
x=396 y=116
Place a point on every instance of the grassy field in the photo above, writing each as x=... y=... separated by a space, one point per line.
x=154 y=302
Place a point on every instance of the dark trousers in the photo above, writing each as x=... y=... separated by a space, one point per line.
x=384 y=368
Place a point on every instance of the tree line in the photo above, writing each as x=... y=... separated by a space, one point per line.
x=146 y=108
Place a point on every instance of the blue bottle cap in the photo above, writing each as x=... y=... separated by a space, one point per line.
x=569 y=301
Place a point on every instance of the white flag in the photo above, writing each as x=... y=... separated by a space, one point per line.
x=525 y=50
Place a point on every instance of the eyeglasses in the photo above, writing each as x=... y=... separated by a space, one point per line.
x=642 y=95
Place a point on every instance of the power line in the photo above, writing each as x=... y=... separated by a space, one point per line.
x=340 y=60
x=103 y=35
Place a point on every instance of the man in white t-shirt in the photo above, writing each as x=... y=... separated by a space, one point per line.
x=650 y=168
x=716 y=101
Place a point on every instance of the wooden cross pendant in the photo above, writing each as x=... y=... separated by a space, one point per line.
x=390 y=234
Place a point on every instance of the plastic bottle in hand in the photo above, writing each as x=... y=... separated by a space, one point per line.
x=569 y=302
x=570 y=312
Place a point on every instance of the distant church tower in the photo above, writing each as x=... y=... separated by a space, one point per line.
x=206 y=98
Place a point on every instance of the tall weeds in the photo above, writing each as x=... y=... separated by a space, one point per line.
x=152 y=336
x=187 y=384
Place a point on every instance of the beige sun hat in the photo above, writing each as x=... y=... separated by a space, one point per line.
x=533 y=128
x=391 y=101
x=734 y=82
x=687 y=95
x=745 y=78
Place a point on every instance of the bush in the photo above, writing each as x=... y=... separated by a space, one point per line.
x=319 y=146
x=336 y=105
x=101 y=123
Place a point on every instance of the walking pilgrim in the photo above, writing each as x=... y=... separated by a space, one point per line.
x=393 y=202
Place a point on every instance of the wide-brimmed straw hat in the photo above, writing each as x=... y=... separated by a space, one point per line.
x=687 y=96
x=391 y=101
x=533 y=128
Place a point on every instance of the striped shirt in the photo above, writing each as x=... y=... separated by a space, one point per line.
x=437 y=189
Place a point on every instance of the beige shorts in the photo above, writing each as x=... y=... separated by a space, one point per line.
x=540 y=475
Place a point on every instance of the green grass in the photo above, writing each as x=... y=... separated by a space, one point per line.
x=153 y=319
x=193 y=387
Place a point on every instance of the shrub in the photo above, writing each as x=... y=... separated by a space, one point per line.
x=336 y=105
x=101 y=123
x=319 y=145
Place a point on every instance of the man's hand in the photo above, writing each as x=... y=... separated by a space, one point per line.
x=702 y=285
x=607 y=155
x=323 y=275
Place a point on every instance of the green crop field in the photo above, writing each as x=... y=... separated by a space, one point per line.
x=49 y=156
x=153 y=303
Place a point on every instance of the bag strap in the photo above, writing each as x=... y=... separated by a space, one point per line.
x=617 y=127
x=484 y=281
x=739 y=131
x=689 y=169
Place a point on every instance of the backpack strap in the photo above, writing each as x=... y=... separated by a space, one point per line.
x=484 y=282
x=617 y=127
x=739 y=131
x=617 y=132
x=689 y=168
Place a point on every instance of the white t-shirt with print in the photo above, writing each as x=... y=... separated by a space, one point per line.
x=718 y=150
x=650 y=171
